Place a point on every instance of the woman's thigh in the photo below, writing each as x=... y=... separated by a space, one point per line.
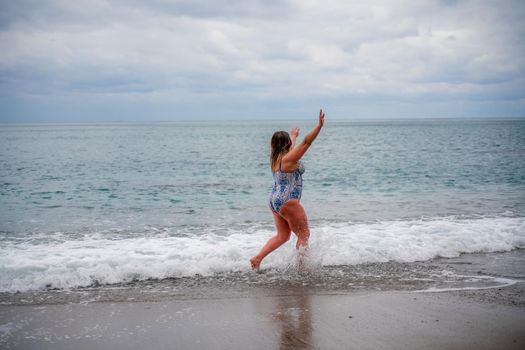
x=295 y=216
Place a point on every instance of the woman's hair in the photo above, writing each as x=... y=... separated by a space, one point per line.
x=281 y=143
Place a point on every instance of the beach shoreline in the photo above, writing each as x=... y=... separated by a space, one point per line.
x=363 y=320
x=483 y=308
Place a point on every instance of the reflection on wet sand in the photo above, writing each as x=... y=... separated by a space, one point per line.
x=295 y=319
x=292 y=317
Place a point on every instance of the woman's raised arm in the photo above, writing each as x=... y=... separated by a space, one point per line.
x=296 y=153
x=293 y=136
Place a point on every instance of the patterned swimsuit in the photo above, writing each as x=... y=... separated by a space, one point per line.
x=286 y=186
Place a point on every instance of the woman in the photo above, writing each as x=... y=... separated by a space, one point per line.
x=287 y=168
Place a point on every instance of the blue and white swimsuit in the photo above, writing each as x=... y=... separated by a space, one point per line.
x=286 y=186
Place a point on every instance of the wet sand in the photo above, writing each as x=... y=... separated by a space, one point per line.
x=359 y=320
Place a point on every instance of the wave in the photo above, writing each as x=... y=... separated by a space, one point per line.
x=102 y=259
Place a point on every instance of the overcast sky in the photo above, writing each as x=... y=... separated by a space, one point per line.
x=101 y=60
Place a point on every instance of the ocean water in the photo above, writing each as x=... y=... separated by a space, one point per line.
x=85 y=205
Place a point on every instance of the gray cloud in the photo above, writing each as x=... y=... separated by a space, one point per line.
x=261 y=55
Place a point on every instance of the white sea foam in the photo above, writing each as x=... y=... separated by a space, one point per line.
x=499 y=282
x=26 y=265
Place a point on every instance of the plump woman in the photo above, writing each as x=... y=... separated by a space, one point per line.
x=287 y=168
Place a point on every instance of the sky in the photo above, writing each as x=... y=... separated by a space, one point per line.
x=159 y=60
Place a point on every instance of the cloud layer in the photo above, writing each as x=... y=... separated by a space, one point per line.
x=125 y=60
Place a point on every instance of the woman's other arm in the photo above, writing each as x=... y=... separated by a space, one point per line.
x=293 y=135
x=296 y=153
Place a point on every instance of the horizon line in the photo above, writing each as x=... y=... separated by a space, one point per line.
x=273 y=119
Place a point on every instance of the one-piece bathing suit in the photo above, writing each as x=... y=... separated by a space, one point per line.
x=287 y=185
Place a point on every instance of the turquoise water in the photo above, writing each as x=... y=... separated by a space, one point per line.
x=87 y=184
x=127 y=176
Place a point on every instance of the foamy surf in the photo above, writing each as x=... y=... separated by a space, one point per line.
x=29 y=264
x=476 y=283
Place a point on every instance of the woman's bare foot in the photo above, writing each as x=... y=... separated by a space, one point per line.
x=256 y=263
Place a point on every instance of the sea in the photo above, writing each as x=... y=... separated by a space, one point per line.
x=110 y=211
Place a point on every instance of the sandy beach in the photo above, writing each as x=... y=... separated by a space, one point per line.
x=359 y=320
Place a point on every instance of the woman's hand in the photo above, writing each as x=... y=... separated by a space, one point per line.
x=321 y=118
x=293 y=136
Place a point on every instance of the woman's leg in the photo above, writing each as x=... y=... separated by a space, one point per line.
x=283 y=235
x=295 y=215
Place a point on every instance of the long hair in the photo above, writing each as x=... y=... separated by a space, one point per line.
x=280 y=144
